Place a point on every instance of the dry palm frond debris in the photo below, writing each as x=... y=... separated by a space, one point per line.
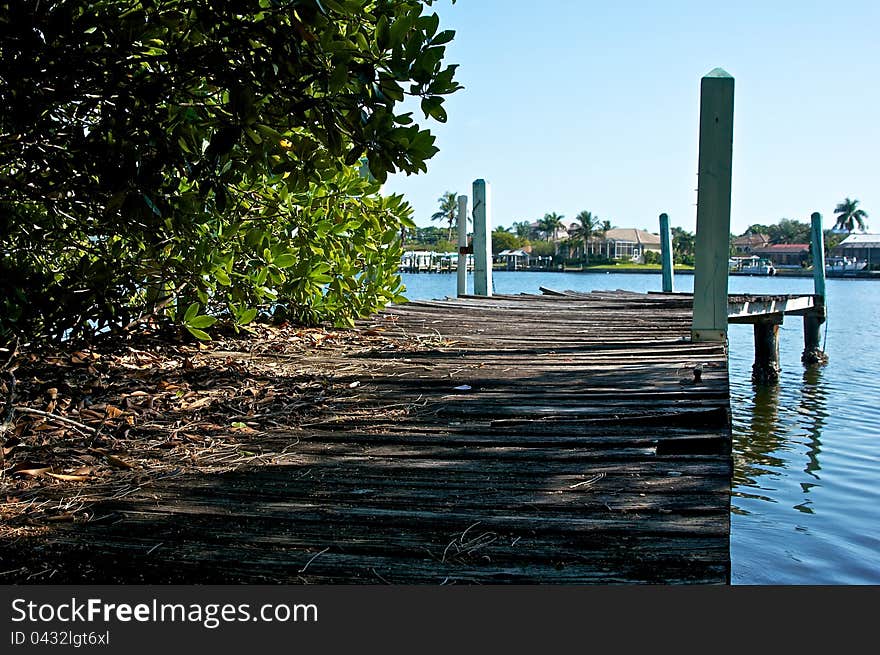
x=94 y=423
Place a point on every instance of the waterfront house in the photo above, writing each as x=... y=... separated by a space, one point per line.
x=629 y=243
x=861 y=247
x=747 y=242
x=785 y=255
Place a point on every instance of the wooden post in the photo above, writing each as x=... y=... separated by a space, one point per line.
x=713 y=207
x=818 y=239
x=482 y=213
x=766 y=367
x=813 y=337
x=462 y=245
x=813 y=320
x=666 y=254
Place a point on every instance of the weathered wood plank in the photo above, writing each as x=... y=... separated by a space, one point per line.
x=579 y=448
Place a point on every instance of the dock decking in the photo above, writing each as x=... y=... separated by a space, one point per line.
x=530 y=439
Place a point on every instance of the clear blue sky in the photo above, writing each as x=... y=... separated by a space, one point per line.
x=573 y=105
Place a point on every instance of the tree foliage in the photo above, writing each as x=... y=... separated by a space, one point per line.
x=832 y=239
x=503 y=239
x=523 y=229
x=202 y=158
x=850 y=216
x=448 y=211
x=543 y=249
x=586 y=226
x=756 y=228
x=550 y=225
x=652 y=257
x=786 y=230
x=683 y=246
x=420 y=237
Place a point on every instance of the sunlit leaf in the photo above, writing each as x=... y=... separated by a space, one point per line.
x=198 y=334
x=203 y=321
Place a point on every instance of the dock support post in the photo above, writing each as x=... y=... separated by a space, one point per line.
x=813 y=320
x=666 y=254
x=463 y=250
x=765 y=370
x=813 y=337
x=818 y=242
x=482 y=213
x=713 y=207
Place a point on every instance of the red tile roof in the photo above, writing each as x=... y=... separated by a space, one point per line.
x=783 y=247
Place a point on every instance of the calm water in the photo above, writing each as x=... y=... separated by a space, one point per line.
x=806 y=493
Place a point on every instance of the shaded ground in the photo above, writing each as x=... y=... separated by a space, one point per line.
x=101 y=423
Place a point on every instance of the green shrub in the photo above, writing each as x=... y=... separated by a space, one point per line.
x=190 y=162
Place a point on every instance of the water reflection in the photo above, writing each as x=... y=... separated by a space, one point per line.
x=757 y=442
x=814 y=410
x=763 y=438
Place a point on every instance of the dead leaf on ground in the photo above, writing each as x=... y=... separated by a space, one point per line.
x=30 y=470
x=7 y=449
x=45 y=427
x=113 y=412
x=68 y=478
x=197 y=404
x=113 y=460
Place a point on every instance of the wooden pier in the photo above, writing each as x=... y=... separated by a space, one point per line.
x=562 y=438
x=528 y=439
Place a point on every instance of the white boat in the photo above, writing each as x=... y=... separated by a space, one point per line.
x=754 y=266
x=844 y=265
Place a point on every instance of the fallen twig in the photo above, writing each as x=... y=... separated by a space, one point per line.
x=314 y=557
x=55 y=417
x=588 y=481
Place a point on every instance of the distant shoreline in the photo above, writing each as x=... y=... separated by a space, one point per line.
x=874 y=275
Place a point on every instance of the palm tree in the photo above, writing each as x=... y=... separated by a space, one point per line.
x=550 y=225
x=602 y=229
x=848 y=216
x=587 y=224
x=522 y=229
x=448 y=209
